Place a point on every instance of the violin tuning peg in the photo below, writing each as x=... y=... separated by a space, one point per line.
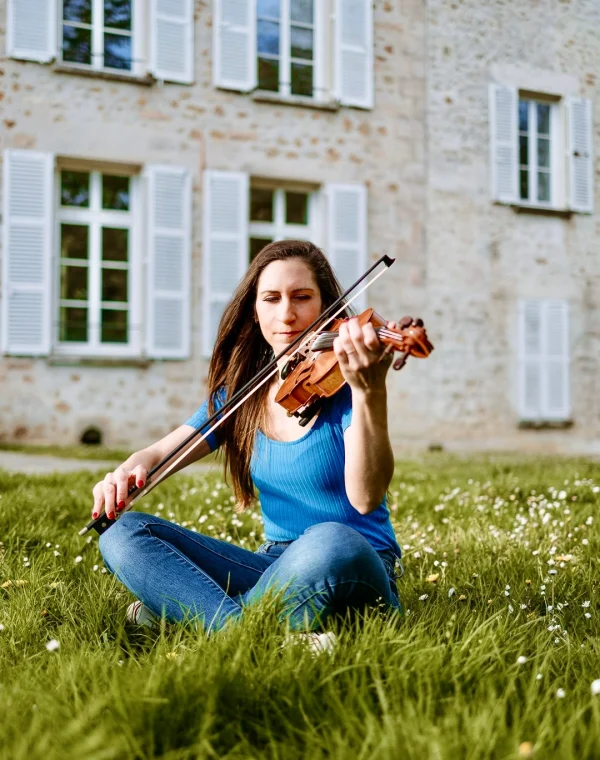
x=405 y=322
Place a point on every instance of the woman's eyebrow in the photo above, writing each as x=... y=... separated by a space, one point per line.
x=296 y=290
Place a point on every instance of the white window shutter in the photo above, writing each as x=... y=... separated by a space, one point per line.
x=172 y=40
x=581 y=168
x=530 y=360
x=27 y=246
x=225 y=245
x=169 y=201
x=556 y=370
x=234 y=45
x=504 y=153
x=347 y=234
x=31 y=30
x=353 y=53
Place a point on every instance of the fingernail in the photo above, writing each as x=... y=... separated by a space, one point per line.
x=121 y=504
x=140 y=483
x=94 y=515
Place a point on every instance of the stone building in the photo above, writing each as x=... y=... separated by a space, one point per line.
x=151 y=147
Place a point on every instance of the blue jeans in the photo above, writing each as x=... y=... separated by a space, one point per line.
x=183 y=575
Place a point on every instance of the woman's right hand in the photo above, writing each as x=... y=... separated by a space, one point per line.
x=110 y=494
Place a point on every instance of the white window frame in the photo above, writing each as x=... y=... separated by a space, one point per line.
x=138 y=48
x=95 y=218
x=557 y=169
x=322 y=84
x=278 y=229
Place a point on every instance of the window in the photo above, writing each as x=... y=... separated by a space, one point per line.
x=544 y=360
x=541 y=149
x=536 y=143
x=286 y=46
x=98 y=33
x=277 y=214
x=96 y=302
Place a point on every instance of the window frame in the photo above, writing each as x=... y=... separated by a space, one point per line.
x=556 y=137
x=278 y=229
x=322 y=84
x=139 y=20
x=97 y=217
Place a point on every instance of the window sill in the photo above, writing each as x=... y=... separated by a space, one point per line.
x=65 y=68
x=64 y=360
x=530 y=208
x=266 y=96
x=545 y=424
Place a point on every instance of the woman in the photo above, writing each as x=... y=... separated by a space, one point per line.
x=330 y=546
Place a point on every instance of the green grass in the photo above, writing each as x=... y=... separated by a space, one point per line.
x=442 y=682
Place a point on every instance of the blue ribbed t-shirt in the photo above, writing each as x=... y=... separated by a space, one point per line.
x=301 y=483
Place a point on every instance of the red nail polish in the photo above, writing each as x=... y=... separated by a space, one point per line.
x=140 y=483
x=121 y=504
x=94 y=515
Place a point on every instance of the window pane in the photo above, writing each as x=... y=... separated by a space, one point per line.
x=114 y=326
x=302 y=79
x=302 y=10
x=114 y=285
x=523 y=115
x=77 y=45
x=74 y=241
x=268 y=75
x=75 y=189
x=117 y=14
x=302 y=43
x=268 y=37
x=117 y=51
x=543 y=186
x=524 y=184
x=261 y=205
x=257 y=244
x=115 y=193
x=296 y=208
x=543 y=118
x=268 y=8
x=114 y=244
x=543 y=152
x=74 y=283
x=77 y=10
x=73 y=324
x=523 y=154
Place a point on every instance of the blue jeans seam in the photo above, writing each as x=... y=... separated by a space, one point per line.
x=186 y=534
x=333 y=586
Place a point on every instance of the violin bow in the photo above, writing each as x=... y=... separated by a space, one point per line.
x=160 y=471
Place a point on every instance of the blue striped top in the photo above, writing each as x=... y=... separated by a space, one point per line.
x=301 y=483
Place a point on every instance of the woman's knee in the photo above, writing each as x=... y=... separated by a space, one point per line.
x=340 y=548
x=116 y=542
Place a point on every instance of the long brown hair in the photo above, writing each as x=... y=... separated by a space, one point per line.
x=240 y=352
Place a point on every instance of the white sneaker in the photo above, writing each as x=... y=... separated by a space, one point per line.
x=317 y=642
x=138 y=613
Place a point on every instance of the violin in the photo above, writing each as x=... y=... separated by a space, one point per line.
x=314 y=373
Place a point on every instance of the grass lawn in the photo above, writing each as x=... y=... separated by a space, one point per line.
x=494 y=657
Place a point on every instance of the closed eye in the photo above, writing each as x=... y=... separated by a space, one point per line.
x=298 y=298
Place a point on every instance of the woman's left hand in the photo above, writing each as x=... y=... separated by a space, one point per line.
x=358 y=351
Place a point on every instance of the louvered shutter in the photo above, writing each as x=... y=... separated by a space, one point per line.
x=172 y=40
x=234 y=45
x=347 y=234
x=504 y=104
x=31 y=30
x=225 y=245
x=555 y=380
x=353 y=53
x=530 y=360
x=581 y=168
x=169 y=262
x=27 y=253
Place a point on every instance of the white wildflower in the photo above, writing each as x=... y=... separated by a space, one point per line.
x=451 y=592
x=562 y=495
x=586 y=603
x=560 y=693
x=1 y=627
x=78 y=559
x=56 y=554
x=587 y=615
x=521 y=660
x=595 y=686
x=423 y=597
x=539 y=677
x=53 y=645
